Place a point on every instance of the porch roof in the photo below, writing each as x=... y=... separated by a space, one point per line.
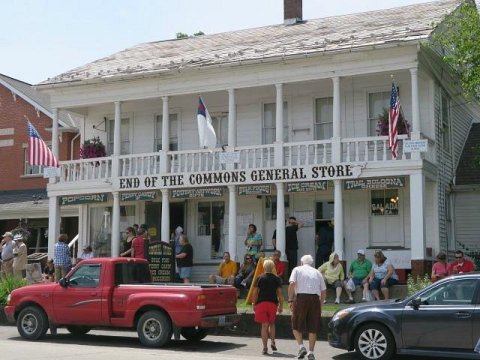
x=381 y=28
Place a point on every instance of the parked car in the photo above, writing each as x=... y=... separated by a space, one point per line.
x=117 y=293
x=442 y=320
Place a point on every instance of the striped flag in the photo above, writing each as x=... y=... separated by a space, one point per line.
x=393 y=116
x=206 y=132
x=38 y=153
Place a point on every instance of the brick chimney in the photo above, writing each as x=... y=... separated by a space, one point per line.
x=292 y=11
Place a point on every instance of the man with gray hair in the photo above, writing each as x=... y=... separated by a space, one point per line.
x=6 y=257
x=306 y=292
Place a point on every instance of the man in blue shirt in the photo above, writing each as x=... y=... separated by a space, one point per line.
x=6 y=245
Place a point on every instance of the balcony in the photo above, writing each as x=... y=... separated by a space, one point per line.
x=365 y=150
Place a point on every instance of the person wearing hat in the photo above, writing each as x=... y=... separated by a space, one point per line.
x=6 y=245
x=440 y=268
x=19 y=257
x=87 y=253
x=358 y=273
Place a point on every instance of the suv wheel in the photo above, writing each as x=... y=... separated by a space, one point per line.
x=374 y=342
x=32 y=323
x=154 y=329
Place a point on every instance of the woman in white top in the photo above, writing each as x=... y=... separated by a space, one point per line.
x=382 y=276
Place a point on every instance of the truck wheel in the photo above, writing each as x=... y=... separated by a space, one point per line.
x=78 y=330
x=154 y=329
x=32 y=323
x=374 y=342
x=194 y=333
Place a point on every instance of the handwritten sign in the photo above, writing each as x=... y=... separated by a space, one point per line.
x=161 y=262
x=411 y=146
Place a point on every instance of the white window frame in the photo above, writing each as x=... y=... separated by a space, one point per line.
x=173 y=132
x=286 y=134
x=37 y=170
x=319 y=122
x=125 y=145
x=372 y=119
x=220 y=122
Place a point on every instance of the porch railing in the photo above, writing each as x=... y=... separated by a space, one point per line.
x=139 y=164
x=86 y=169
x=363 y=149
x=307 y=153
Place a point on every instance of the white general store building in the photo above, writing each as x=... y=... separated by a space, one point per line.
x=295 y=107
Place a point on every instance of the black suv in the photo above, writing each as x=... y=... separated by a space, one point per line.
x=442 y=320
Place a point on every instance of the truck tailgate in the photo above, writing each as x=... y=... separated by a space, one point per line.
x=219 y=300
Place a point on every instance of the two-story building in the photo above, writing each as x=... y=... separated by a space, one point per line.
x=296 y=109
x=23 y=189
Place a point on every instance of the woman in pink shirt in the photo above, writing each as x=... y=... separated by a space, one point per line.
x=439 y=269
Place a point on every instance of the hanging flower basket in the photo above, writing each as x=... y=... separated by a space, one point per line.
x=403 y=127
x=92 y=148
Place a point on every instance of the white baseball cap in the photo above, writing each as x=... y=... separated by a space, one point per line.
x=361 y=252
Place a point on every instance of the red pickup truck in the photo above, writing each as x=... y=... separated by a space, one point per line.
x=118 y=293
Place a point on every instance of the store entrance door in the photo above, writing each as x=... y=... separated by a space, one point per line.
x=153 y=218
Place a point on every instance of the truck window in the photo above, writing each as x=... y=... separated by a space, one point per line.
x=132 y=273
x=86 y=276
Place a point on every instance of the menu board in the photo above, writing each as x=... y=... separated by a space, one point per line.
x=161 y=262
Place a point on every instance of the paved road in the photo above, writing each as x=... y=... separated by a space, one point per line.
x=116 y=345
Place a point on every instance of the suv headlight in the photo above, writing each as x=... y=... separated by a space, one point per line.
x=9 y=298
x=341 y=314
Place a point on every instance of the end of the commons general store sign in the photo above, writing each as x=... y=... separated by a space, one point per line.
x=240 y=177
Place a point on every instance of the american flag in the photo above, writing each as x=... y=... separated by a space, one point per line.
x=38 y=153
x=393 y=116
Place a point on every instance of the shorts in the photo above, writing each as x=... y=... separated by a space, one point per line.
x=306 y=311
x=185 y=272
x=220 y=280
x=265 y=312
x=335 y=285
x=357 y=281
x=376 y=283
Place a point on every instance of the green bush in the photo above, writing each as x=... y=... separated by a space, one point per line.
x=420 y=283
x=7 y=285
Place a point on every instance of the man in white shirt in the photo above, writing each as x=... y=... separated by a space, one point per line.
x=306 y=292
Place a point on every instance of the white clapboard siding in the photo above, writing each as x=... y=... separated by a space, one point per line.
x=467 y=224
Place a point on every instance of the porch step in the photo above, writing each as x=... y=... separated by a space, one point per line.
x=200 y=272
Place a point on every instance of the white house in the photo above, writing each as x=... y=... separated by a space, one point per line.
x=295 y=107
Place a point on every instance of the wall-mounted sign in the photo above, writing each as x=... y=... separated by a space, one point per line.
x=307 y=186
x=410 y=146
x=83 y=199
x=254 y=190
x=51 y=172
x=229 y=157
x=240 y=177
x=197 y=193
x=138 y=195
x=375 y=183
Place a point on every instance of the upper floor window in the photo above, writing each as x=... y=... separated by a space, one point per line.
x=124 y=136
x=445 y=125
x=269 y=123
x=323 y=118
x=31 y=169
x=172 y=129
x=220 y=125
x=377 y=102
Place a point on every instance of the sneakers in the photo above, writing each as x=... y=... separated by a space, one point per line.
x=265 y=351
x=310 y=356
x=325 y=301
x=302 y=352
x=273 y=346
x=337 y=302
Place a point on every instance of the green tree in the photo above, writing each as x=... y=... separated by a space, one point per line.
x=456 y=39
x=181 y=35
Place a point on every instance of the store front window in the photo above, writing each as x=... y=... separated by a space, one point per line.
x=101 y=227
x=386 y=218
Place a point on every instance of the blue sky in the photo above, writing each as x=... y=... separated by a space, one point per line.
x=43 y=38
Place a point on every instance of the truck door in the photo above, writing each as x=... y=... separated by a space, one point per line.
x=80 y=302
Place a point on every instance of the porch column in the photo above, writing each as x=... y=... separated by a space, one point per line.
x=165 y=233
x=55 y=133
x=53 y=223
x=416 y=127
x=116 y=129
x=338 y=215
x=165 y=125
x=279 y=114
x=115 y=247
x=281 y=219
x=232 y=222
x=417 y=223
x=232 y=119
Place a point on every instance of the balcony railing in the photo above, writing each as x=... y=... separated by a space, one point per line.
x=365 y=149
